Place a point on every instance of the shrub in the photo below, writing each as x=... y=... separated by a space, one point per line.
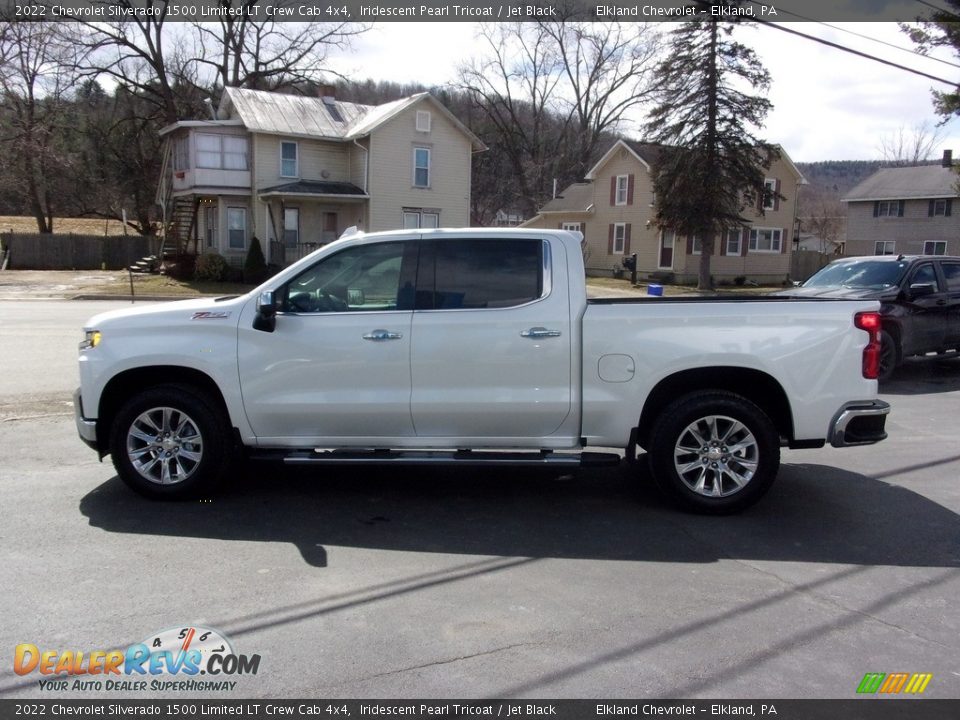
x=255 y=266
x=739 y=280
x=212 y=266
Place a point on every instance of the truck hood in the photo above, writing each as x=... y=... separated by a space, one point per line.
x=163 y=313
x=840 y=292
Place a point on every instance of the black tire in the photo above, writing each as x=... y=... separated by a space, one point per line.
x=889 y=355
x=189 y=436
x=733 y=477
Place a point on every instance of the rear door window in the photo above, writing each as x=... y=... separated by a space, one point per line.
x=480 y=274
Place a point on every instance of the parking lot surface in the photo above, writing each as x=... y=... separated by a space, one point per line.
x=466 y=584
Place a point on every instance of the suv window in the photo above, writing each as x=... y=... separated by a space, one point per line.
x=951 y=273
x=925 y=274
x=482 y=273
x=363 y=278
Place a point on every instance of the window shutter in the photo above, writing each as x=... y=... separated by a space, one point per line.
x=610 y=240
x=949 y=204
x=626 y=234
x=783 y=240
x=689 y=244
x=776 y=197
x=930 y=205
x=900 y=204
x=629 y=190
x=559 y=226
x=723 y=242
x=613 y=190
x=745 y=242
x=876 y=208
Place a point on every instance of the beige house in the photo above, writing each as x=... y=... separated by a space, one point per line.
x=615 y=210
x=295 y=171
x=906 y=210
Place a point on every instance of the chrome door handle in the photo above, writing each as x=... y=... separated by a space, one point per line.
x=379 y=335
x=540 y=332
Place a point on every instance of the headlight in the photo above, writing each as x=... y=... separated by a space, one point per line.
x=91 y=338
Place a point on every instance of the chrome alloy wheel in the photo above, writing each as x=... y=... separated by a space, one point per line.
x=716 y=456
x=164 y=445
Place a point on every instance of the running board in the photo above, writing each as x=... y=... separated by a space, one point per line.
x=449 y=457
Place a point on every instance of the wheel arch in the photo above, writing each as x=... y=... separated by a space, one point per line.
x=127 y=383
x=756 y=386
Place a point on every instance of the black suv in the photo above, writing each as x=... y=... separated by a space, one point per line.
x=919 y=300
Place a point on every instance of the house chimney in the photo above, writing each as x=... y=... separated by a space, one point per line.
x=947 y=159
x=328 y=93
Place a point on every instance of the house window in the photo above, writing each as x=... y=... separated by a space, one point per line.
x=888 y=208
x=940 y=208
x=421 y=167
x=769 y=193
x=291 y=227
x=417 y=218
x=623 y=182
x=237 y=228
x=935 y=247
x=619 y=237
x=221 y=152
x=766 y=240
x=733 y=242
x=571 y=227
x=883 y=247
x=288 y=160
x=423 y=121
x=181 y=154
x=696 y=245
x=210 y=226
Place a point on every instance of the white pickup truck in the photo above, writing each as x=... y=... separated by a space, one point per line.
x=475 y=346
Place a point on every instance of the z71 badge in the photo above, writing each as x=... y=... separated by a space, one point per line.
x=207 y=315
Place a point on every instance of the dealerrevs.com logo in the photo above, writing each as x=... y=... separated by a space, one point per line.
x=894 y=683
x=184 y=658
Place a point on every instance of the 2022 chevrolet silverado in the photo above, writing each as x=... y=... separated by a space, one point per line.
x=475 y=346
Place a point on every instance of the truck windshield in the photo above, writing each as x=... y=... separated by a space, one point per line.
x=876 y=274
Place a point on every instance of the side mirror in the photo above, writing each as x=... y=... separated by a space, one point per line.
x=266 y=318
x=919 y=290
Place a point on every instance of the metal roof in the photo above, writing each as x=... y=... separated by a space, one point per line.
x=312 y=187
x=902 y=183
x=325 y=118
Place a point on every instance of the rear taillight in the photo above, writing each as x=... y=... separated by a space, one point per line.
x=870 y=321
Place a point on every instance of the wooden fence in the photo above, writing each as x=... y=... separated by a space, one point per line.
x=804 y=263
x=33 y=251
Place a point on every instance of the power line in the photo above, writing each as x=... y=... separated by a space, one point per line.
x=837 y=46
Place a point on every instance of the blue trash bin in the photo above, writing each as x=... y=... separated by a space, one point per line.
x=654 y=289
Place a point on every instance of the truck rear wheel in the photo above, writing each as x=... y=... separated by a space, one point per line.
x=714 y=452
x=170 y=442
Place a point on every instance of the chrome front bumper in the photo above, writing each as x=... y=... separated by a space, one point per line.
x=859 y=423
x=86 y=428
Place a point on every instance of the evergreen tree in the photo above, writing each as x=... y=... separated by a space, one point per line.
x=714 y=166
x=942 y=30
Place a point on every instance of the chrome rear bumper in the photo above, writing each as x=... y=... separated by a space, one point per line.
x=859 y=423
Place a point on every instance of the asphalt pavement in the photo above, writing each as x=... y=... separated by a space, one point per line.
x=467 y=584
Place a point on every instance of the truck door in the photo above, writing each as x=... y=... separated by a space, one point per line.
x=951 y=278
x=926 y=323
x=492 y=340
x=337 y=365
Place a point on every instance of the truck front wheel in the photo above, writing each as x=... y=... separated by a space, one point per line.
x=170 y=442
x=714 y=452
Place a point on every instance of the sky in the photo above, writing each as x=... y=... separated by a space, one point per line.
x=828 y=104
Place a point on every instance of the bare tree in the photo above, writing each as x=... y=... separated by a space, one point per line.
x=237 y=51
x=552 y=91
x=911 y=146
x=826 y=220
x=37 y=72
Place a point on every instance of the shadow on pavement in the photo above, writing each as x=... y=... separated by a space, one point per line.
x=813 y=513
x=924 y=376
